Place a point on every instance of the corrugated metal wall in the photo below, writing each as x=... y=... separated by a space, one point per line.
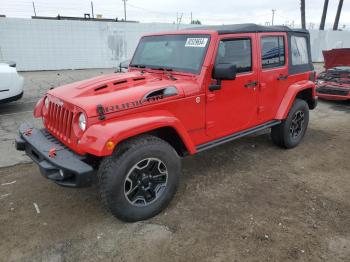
x=326 y=40
x=61 y=44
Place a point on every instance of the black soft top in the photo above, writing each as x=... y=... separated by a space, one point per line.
x=254 y=28
x=247 y=28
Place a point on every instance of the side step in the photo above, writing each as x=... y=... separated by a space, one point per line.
x=237 y=135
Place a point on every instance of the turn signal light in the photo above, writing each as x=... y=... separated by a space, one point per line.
x=110 y=145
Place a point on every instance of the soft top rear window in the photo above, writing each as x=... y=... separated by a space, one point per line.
x=299 y=53
x=299 y=50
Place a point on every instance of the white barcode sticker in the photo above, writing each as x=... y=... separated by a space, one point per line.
x=196 y=42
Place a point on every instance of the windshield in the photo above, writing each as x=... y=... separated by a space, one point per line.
x=172 y=52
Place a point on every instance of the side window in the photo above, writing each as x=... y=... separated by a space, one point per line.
x=299 y=50
x=237 y=52
x=272 y=51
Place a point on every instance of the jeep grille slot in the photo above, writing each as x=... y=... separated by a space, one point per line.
x=59 y=121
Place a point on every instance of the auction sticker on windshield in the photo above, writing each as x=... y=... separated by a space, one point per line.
x=196 y=42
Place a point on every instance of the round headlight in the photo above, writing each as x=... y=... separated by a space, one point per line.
x=82 y=121
x=46 y=102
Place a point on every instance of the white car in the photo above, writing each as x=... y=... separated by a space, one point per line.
x=11 y=83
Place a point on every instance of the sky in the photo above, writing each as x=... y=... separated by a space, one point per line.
x=208 y=12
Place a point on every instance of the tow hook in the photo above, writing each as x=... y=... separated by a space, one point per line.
x=52 y=153
x=28 y=132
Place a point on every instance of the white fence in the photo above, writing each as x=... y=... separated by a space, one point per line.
x=61 y=44
x=326 y=40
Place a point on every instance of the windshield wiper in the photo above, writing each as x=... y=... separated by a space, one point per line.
x=138 y=66
x=167 y=71
x=162 y=68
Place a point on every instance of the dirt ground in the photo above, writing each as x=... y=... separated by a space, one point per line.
x=247 y=200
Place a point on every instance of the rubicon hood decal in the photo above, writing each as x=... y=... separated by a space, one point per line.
x=151 y=97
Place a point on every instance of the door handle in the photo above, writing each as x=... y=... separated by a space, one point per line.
x=282 y=77
x=251 y=84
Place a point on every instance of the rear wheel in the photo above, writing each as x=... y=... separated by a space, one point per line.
x=290 y=132
x=140 y=178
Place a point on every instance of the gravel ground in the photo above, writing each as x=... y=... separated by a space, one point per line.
x=244 y=201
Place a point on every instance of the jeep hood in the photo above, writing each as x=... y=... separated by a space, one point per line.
x=336 y=57
x=117 y=92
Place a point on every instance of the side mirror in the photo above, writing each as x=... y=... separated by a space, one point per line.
x=11 y=63
x=223 y=72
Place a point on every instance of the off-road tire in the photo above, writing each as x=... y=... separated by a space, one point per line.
x=281 y=134
x=115 y=169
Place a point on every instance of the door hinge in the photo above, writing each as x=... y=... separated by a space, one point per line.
x=261 y=109
x=210 y=124
x=262 y=85
x=210 y=97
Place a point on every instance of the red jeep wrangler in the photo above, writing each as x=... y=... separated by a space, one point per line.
x=185 y=92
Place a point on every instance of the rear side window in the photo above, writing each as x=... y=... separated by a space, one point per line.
x=237 y=52
x=272 y=51
x=299 y=50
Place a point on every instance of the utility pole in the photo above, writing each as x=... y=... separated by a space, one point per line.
x=337 y=17
x=273 y=16
x=124 y=9
x=92 y=10
x=324 y=14
x=34 y=8
x=302 y=12
x=191 y=18
x=178 y=19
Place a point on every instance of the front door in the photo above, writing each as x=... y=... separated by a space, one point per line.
x=234 y=107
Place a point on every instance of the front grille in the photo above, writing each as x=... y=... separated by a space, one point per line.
x=332 y=91
x=59 y=121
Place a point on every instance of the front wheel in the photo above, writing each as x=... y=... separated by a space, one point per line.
x=140 y=178
x=291 y=131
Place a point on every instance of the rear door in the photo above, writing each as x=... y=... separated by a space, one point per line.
x=234 y=106
x=273 y=60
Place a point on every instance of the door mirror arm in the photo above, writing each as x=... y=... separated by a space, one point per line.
x=214 y=87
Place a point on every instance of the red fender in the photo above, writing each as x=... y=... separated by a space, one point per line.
x=38 y=108
x=96 y=137
x=290 y=96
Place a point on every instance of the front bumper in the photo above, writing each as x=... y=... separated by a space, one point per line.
x=56 y=161
x=333 y=92
x=11 y=99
